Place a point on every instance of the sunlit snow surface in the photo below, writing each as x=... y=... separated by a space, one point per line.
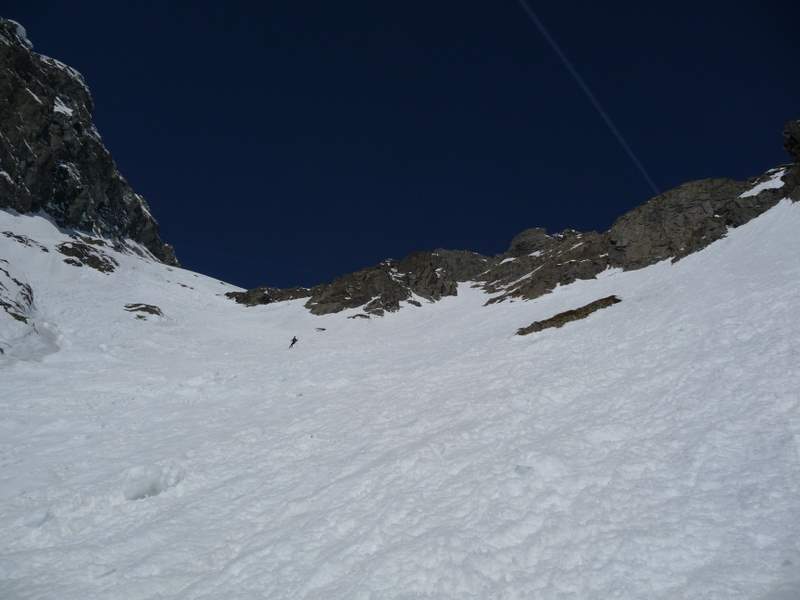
x=650 y=451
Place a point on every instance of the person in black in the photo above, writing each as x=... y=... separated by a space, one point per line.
x=294 y=341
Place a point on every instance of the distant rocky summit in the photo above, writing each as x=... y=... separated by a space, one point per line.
x=51 y=156
x=53 y=160
x=670 y=226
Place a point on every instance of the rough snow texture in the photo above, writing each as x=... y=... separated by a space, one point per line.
x=51 y=156
x=647 y=451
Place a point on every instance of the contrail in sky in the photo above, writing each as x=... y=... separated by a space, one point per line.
x=592 y=98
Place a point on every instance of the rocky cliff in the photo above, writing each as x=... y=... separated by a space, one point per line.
x=51 y=156
x=670 y=226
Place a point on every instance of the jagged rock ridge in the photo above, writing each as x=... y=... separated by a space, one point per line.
x=671 y=225
x=51 y=156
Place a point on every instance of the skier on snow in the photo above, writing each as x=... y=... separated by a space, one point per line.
x=294 y=341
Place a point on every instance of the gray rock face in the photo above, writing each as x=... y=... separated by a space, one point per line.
x=567 y=256
x=670 y=226
x=529 y=241
x=377 y=289
x=268 y=295
x=428 y=275
x=80 y=253
x=676 y=223
x=51 y=155
x=16 y=296
x=568 y=316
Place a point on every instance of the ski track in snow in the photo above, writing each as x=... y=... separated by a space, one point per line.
x=649 y=451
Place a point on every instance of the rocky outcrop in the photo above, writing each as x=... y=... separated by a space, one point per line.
x=560 y=259
x=87 y=252
x=423 y=275
x=141 y=310
x=683 y=220
x=52 y=157
x=673 y=224
x=268 y=295
x=568 y=316
x=670 y=226
x=16 y=296
x=17 y=309
x=529 y=241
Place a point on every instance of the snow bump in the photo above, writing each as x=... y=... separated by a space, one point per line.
x=149 y=481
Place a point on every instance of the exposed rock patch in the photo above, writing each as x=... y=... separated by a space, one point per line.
x=268 y=295
x=558 y=260
x=90 y=240
x=670 y=226
x=682 y=221
x=16 y=297
x=381 y=289
x=568 y=316
x=530 y=240
x=81 y=254
x=16 y=308
x=25 y=240
x=148 y=309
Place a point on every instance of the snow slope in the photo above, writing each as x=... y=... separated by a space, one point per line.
x=649 y=451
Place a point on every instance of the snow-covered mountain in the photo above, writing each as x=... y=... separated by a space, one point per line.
x=670 y=226
x=51 y=155
x=549 y=423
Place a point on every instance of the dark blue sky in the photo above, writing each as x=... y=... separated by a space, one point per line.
x=287 y=142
